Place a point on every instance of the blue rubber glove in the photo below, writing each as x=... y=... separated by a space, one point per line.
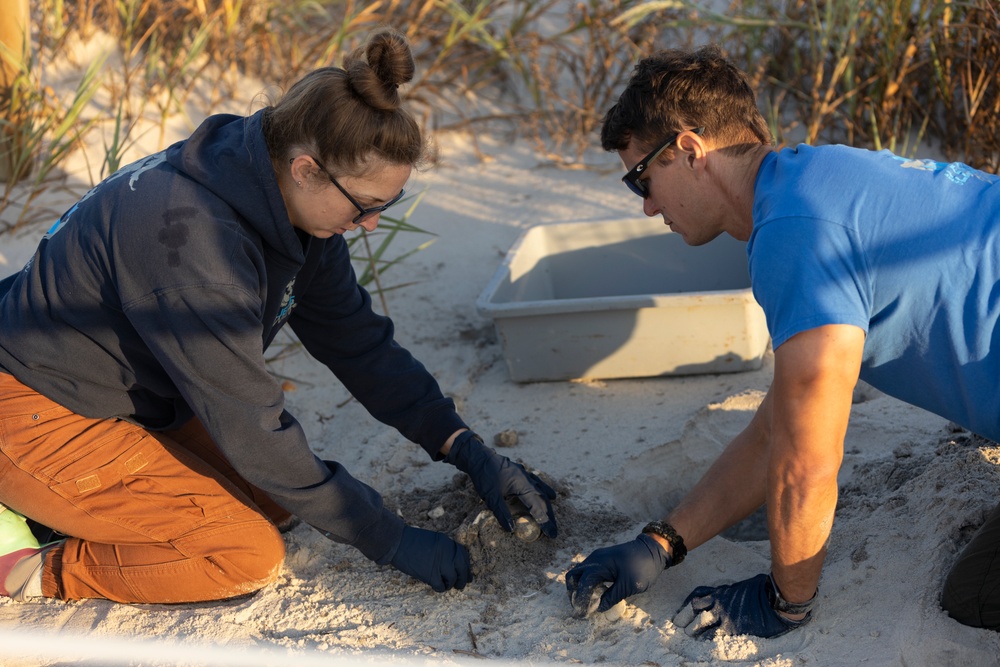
x=743 y=608
x=433 y=558
x=629 y=568
x=497 y=477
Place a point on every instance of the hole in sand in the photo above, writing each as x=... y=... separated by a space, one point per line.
x=653 y=482
x=502 y=563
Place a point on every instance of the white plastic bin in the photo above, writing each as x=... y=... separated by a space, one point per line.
x=623 y=299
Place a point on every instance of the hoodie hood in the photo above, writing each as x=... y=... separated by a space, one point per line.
x=225 y=155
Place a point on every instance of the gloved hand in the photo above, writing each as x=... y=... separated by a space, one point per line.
x=743 y=608
x=630 y=568
x=497 y=477
x=433 y=558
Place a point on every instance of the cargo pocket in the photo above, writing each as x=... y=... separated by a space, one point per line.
x=157 y=491
x=36 y=441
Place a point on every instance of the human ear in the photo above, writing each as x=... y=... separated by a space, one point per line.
x=693 y=147
x=303 y=168
x=689 y=142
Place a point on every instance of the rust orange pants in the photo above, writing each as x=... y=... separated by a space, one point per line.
x=153 y=517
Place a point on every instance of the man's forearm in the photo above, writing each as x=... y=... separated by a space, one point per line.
x=800 y=516
x=815 y=373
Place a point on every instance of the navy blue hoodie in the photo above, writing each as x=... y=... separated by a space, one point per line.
x=154 y=297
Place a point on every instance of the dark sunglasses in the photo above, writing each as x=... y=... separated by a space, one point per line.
x=363 y=213
x=632 y=178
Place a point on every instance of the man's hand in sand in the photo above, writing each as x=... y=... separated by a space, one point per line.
x=611 y=574
x=747 y=607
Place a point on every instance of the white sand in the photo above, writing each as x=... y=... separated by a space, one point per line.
x=621 y=452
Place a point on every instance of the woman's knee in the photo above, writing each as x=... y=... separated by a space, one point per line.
x=241 y=558
x=258 y=554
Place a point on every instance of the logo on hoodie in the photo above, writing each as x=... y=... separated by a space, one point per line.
x=287 y=303
x=134 y=170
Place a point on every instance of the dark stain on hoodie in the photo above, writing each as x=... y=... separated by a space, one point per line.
x=174 y=235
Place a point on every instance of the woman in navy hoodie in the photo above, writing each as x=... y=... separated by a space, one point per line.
x=137 y=415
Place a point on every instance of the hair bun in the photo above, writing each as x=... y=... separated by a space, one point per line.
x=375 y=70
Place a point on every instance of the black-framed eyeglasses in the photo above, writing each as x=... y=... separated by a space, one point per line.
x=363 y=213
x=632 y=178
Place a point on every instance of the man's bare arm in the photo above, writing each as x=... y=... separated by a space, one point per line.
x=814 y=376
x=805 y=400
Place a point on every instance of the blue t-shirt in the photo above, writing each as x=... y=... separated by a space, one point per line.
x=907 y=250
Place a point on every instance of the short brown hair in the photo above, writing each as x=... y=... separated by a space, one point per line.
x=347 y=117
x=676 y=89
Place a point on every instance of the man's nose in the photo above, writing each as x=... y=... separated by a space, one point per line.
x=649 y=208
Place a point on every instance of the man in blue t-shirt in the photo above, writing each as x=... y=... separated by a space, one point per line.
x=867 y=266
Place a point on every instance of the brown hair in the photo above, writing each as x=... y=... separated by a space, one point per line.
x=674 y=90
x=348 y=117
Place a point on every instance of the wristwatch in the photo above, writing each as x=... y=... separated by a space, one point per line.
x=782 y=605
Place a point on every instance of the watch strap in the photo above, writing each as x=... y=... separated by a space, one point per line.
x=676 y=542
x=782 y=605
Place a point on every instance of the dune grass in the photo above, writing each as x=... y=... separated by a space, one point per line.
x=873 y=73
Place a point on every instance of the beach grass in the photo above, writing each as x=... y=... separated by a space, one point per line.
x=894 y=74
